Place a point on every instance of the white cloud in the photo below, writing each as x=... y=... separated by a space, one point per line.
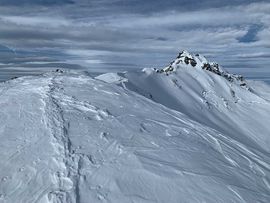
x=39 y=21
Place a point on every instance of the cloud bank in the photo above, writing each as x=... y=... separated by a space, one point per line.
x=117 y=35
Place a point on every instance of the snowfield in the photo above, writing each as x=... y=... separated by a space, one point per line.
x=185 y=133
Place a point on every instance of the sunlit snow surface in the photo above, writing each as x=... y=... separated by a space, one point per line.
x=134 y=137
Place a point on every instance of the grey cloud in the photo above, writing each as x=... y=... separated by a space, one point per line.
x=153 y=6
x=255 y=55
x=34 y=2
x=99 y=35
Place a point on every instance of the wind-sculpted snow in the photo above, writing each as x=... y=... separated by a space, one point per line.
x=68 y=137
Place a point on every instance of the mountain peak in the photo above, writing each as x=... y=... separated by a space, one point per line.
x=198 y=61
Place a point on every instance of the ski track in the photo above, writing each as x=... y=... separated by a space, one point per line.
x=68 y=176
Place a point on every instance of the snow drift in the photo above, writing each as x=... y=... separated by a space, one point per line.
x=190 y=132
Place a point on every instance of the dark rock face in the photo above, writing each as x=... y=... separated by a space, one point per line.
x=193 y=62
x=206 y=66
x=186 y=60
x=59 y=71
x=190 y=61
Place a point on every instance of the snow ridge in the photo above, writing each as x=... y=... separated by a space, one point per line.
x=134 y=137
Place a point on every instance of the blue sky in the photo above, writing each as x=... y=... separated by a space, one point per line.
x=111 y=35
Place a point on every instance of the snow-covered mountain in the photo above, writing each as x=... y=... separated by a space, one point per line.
x=190 y=132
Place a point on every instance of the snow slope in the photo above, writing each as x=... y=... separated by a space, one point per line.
x=69 y=137
x=217 y=99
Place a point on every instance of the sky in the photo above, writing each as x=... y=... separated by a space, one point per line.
x=117 y=35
